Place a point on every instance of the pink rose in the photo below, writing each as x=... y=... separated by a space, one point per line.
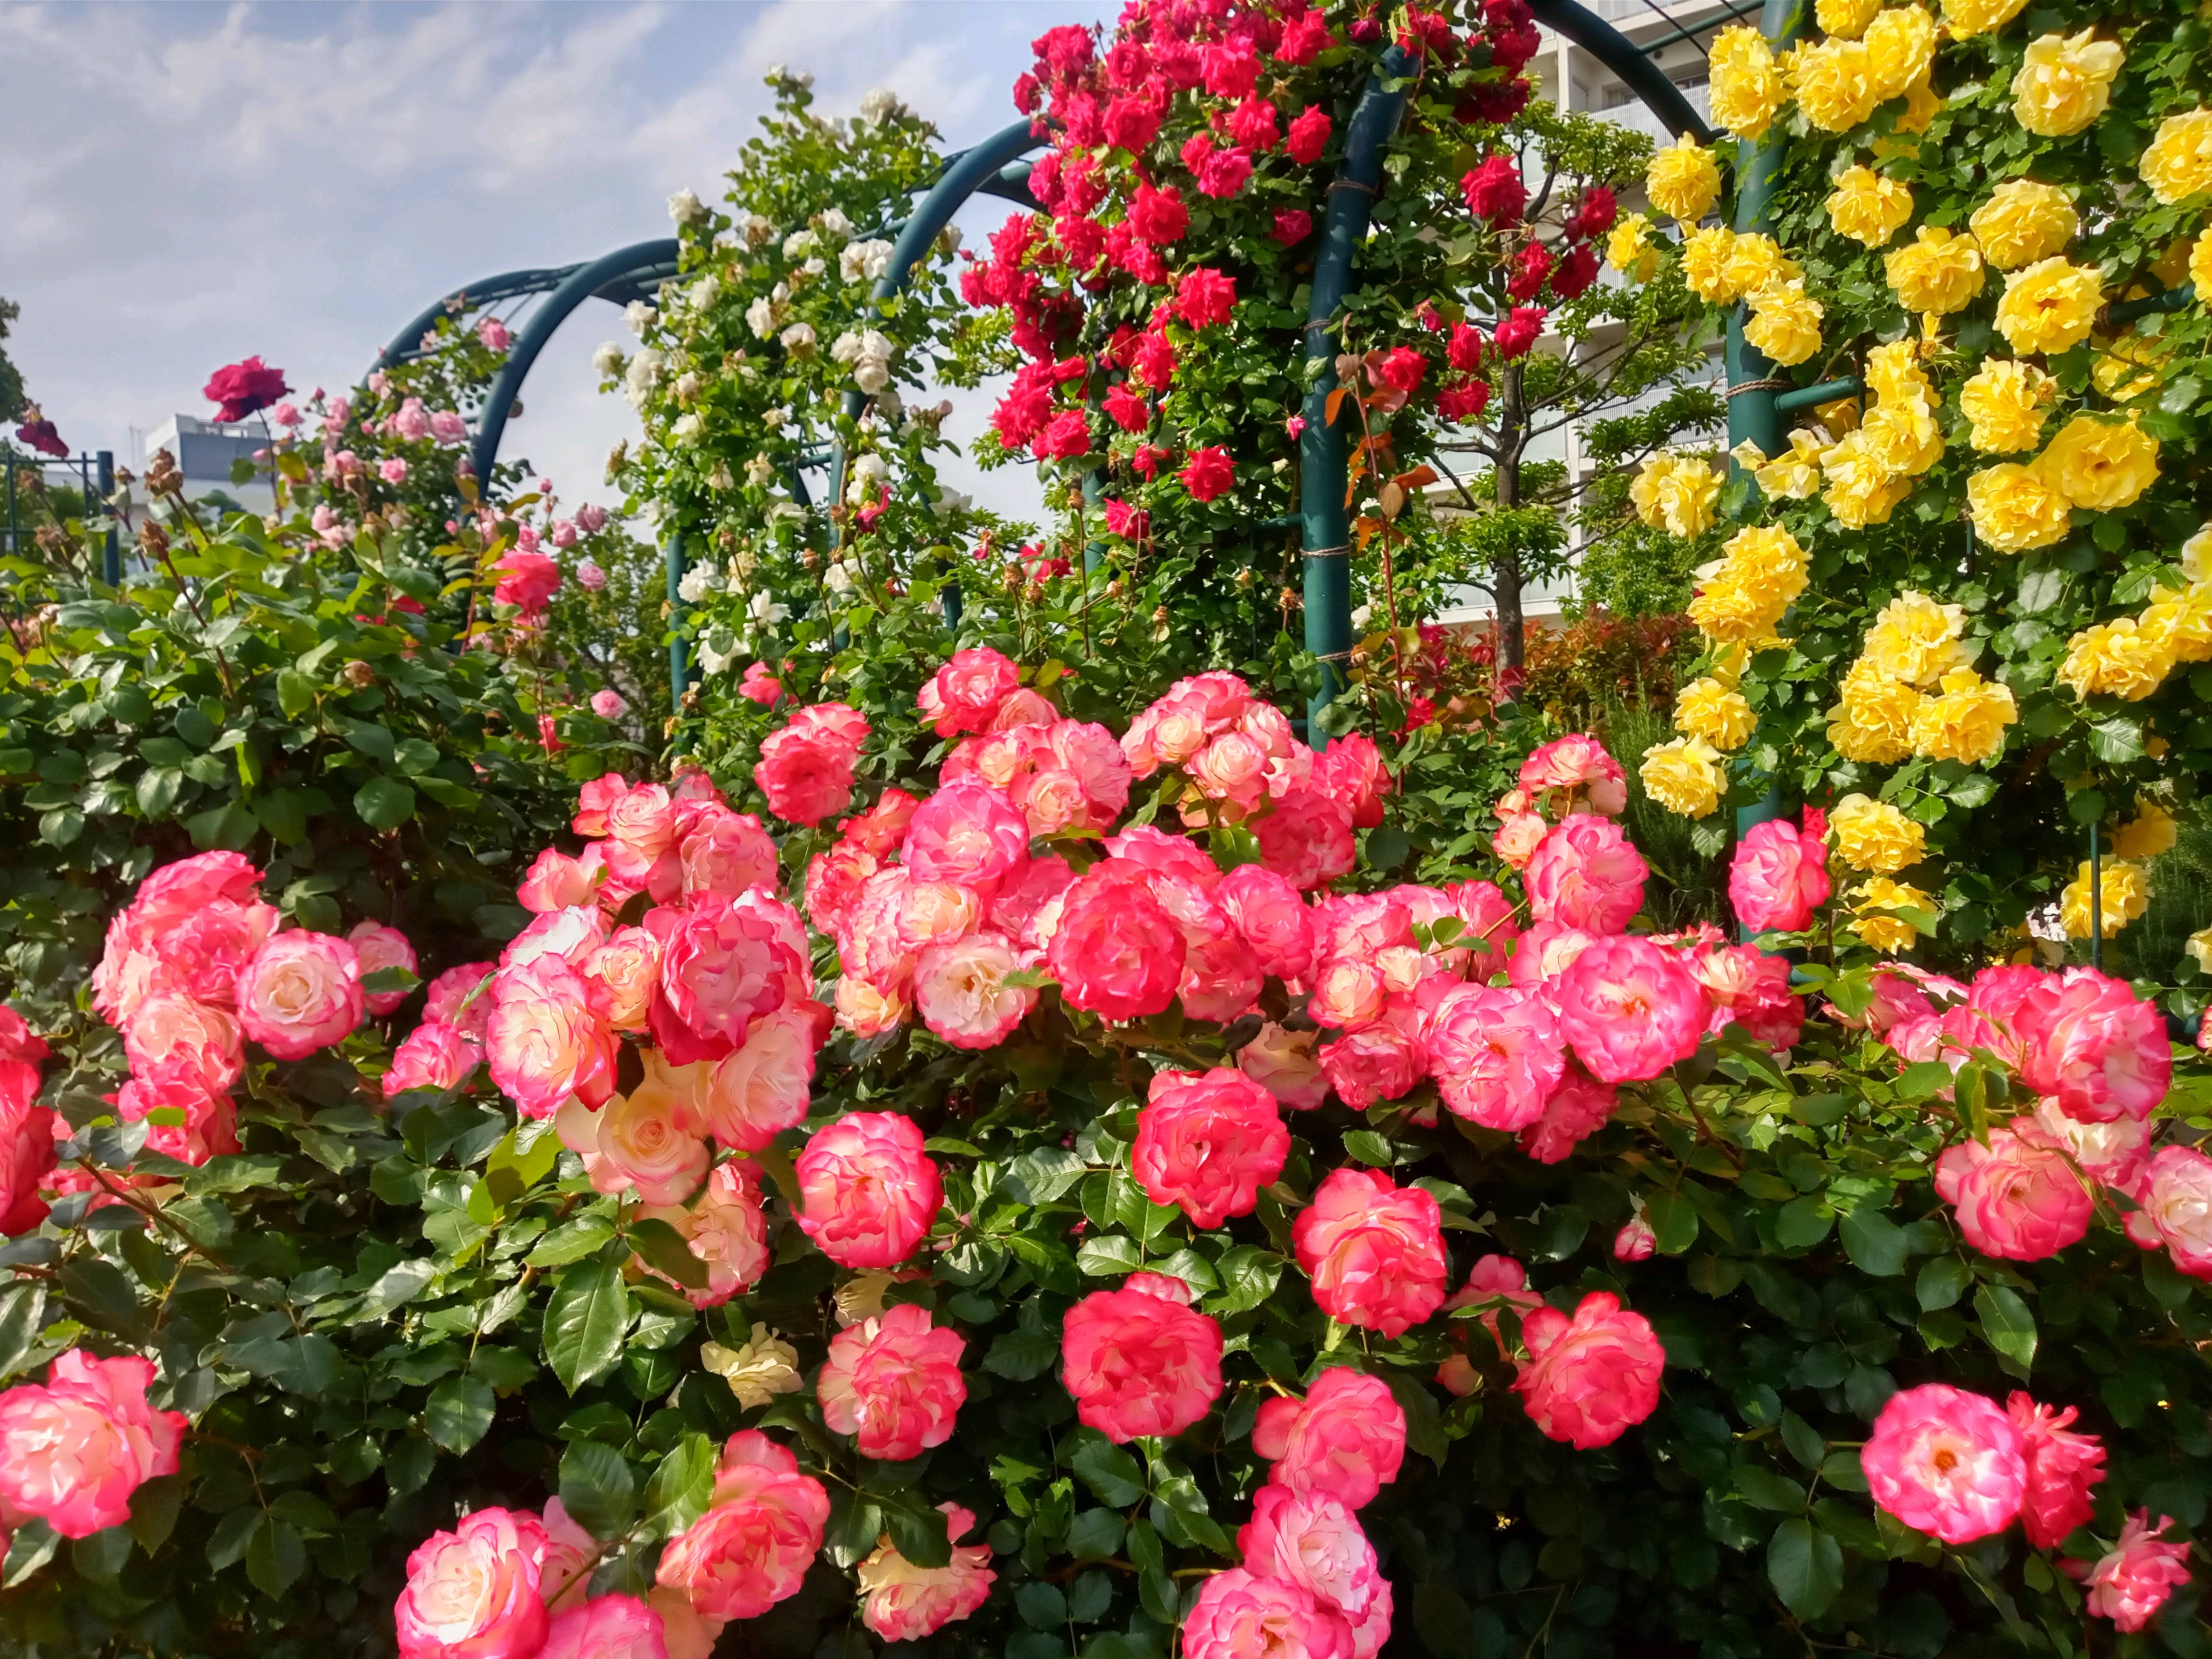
x=457 y=998
x=1207 y=1141
x=1306 y=838
x=1345 y=1440
x=1270 y=919
x=27 y=1153
x=2014 y=1199
x=724 y=963
x=1635 y=1242
x=170 y=1032
x=759 y=686
x=1352 y=770
x=2111 y=1154
x=555 y=882
x=1577 y=763
x=725 y=1229
x=834 y=879
x=1946 y=1462
x=1282 y=1062
x=433 y=1056
x=640 y=830
x=1141 y=1360
x=753 y=1546
x=868 y=1192
x=545 y=1042
x=1116 y=952
x=688 y=1633
x=1750 y=988
x=725 y=852
x=901 y=1602
x=762 y=1089
x=805 y=769
x=2095 y=1046
x=2062 y=1466
x=1588 y=1380
x=571 y=934
x=1313 y=1539
x=609 y=704
x=209 y=1128
x=472 y=1593
x=960 y=987
x=1630 y=1009
x=2131 y=1583
x=594 y=800
x=1585 y=874
x=1238 y=1615
x=1544 y=952
x=1518 y=838
x=963 y=694
x=1375 y=1251
x=614 y=1626
x=966 y=833
x=647 y=1141
x=74 y=1449
x=622 y=973
x=2176 y=1200
x=1578 y=1110
x=1373 y=1063
x=895 y=1383
x=300 y=992
x=1777 y=878
x=1493 y=1283
x=377 y=946
x=1496 y=1054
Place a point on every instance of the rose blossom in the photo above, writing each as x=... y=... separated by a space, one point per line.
x=1115 y=951
x=542 y=1041
x=1946 y=1462
x=1270 y=918
x=1346 y=1439
x=868 y=1192
x=1578 y=1110
x=1635 y=1242
x=1313 y=1539
x=753 y=1546
x=1497 y=1280
x=966 y=833
x=895 y=1383
x=2062 y=1465
x=27 y=1153
x=963 y=694
x=614 y=1626
x=1577 y=762
x=2176 y=1196
x=1588 y=1380
x=1307 y=839
x=377 y=947
x=960 y=987
x=688 y=1633
x=755 y=1093
x=1585 y=874
x=74 y=1449
x=1374 y=1063
x=724 y=963
x=901 y=1602
x=1282 y=1062
x=171 y=1032
x=1238 y=1615
x=1777 y=878
x=2014 y=1199
x=474 y=1591
x=1209 y=1141
x=725 y=1228
x=444 y=1000
x=1496 y=1054
x=2111 y=1154
x=435 y=1057
x=805 y=769
x=1749 y=988
x=2095 y=1046
x=300 y=992
x=1375 y=1251
x=2131 y=1583
x=723 y=852
x=1141 y=1360
x=646 y=1141
x=555 y=882
x=1630 y=1009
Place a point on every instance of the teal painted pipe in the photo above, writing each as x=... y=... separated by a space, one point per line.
x=679 y=652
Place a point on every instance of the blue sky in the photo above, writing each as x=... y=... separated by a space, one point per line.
x=190 y=184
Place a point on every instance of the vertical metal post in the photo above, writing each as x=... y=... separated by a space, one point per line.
x=1323 y=463
x=15 y=528
x=111 y=560
x=679 y=664
x=2096 y=901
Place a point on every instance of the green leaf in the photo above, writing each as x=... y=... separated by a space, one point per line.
x=1041 y=1605
x=383 y=803
x=572 y=1241
x=919 y=1533
x=2007 y=1325
x=1769 y=1490
x=458 y=1411
x=399 y=1285
x=1249 y=1276
x=1020 y=1355
x=1107 y=1255
x=1943 y=1282
x=295 y=693
x=597 y=1489
x=22 y=1310
x=1095 y=1535
x=1370 y=1148
x=1112 y=1472
x=275 y=1557
x=665 y=1249
x=1877 y=1244
x=678 y=1491
x=1802 y=1223
x=584 y=1323
x=1806 y=1567
x=1674 y=1221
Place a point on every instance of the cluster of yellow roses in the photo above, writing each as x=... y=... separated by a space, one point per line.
x=2124 y=885
x=2130 y=656
x=1913 y=691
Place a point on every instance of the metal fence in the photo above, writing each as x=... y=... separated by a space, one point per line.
x=29 y=477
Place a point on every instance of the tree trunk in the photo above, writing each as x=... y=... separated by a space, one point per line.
x=1505 y=575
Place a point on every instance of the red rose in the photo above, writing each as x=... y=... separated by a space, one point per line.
x=244 y=389
x=1293 y=226
x=1597 y=213
x=1205 y=296
x=1130 y=523
x=1225 y=173
x=39 y=432
x=1308 y=136
x=1153 y=361
x=1463 y=402
x=1530 y=266
x=1129 y=409
x=1251 y=124
x=1496 y=103
x=1519 y=330
x=1065 y=436
x=1132 y=124
x=1493 y=190
x=1576 y=272
x=1208 y=472
x=1465 y=350
x=1145 y=462
x=1231 y=70
x=1158 y=217
x=1082 y=239
x=1305 y=37
x=1399 y=369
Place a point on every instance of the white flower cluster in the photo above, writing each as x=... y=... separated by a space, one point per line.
x=869 y=356
x=640 y=316
x=867 y=472
x=798 y=339
x=760 y=230
x=865 y=262
x=644 y=374
x=881 y=106
x=608 y=359
x=698 y=582
x=703 y=294
x=835 y=224
x=686 y=208
x=800 y=243
x=765 y=314
x=779 y=75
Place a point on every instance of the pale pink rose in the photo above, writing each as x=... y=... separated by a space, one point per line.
x=762 y=1089
x=1494 y=1284
x=1051 y=801
x=1238 y=1615
x=2062 y=1465
x=2176 y=1196
x=1577 y=763
x=928 y=913
x=301 y=991
x=614 y=1626
x=622 y=973
x=805 y=769
x=1307 y=839
x=413 y=420
x=1348 y=993
x=1374 y=1063
x=894 y=1383
x=1155 y=850
x=725 y=1229
x=571 y=934
x=960 y=987
x=1777 y=878
x=647 y=1141
x=1518 y=838
x=1578 y=1110
x=449 y=427
x=543 y=1041
x=833 y=880
x=1089 y=753
x=1116 y=952
x=378 y=946
x=171 y=1032
x=209 y=1128
x=1544 y=952
x=2131 y=1583
x=74 y=1449
x=725 y=852
x=901 y=1602
x=1345 y=1440
x=176 y=892
x=474 y=1592
x=433 y=1056
x=2015 y=1200
x=1351 y=768
x=868 y=1192
x=565 y=1565
x=724 y=963
x=753 y=1546
x=201 y=954
x=688 y=1633
x=1141 y=1360
x=392 y=470
x=1375 y=1251
x=591 y=518
x=1588 y=1380
x=555 y=882
x=966 y=833
x=1946 y=1462
x=1586 y=874
x=1232 y=769
x=609 y=704
x=2111 y=1154
x=1270 y=919
x=963 y=694
x=1282 y=1062
x=458 y=998
x=1314 y=1539
x=1487 y=928
x=866 y=1009
x=2094 y=1045
x=1023 y=706
x=1496 y=1054
x=1207 y=1141
x=594 y=800
x=640 y=831
x=1630 y=1009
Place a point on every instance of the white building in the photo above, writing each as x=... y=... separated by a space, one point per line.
x=204 y=451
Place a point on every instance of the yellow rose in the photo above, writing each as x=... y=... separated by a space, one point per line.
x=2008 y=402
x=2123 y=892
x=2150 y=832
x=1938 y=270
x=2100 y=465
x=1846 y=19
x=2179 y=163
x=1867 y=207
x=2130 y=364
x=1880 y=930
x=1755 y=260
x=1746 y=88
x=2118 y=659
x=1879 y=705
x=1861 y=745
x=1966 y=721
x=1676 y=492
x=1903 y=436
x=1858 y=489
x=1792 y=475
x=2014 y=510
x=1900 y=47
x=1966 y=18
x=2049 y=305
x=1718 y=713
x=764 y=1367
x=1683 y=181
x=2200 y=947
x=1785 y=322
x=1766 y=561
x=2200 y=268
x=1915 y=639
x=1684 y=776
x=1839 y=416
x=2065 y=82
x=1628 y=249
x=2196 y=554
x=2023 y=222
x=1705 y=264
x=1873 y=836
x=1835 y=84
x=1723 y=610
x=1894 y=373
x=1922 y=104
x=2183 y=619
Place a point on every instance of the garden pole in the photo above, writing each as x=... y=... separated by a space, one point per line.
x=110 y=552
x=679 y=667
x=1322 y=465
x=2096 y=901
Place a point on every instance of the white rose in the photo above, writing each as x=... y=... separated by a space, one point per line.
x=759 y=230
x=773 y=418
x=643 y=375
x=759 y=471
x=839 y=580
x=687 y=387
x=780 y=293
x=760 y=317
x=798 y=340
x=685 y=208
x=719 y=479
x=698 y=582
x=950 y=501
x=718 y=651
x=845 y=348
x=950 y=239
x=704 y=293
x=608 y=359
x=872 y=374
x=837 y=224
x=639 y=316
x=766 y=612
x=763 y=1367
x=811 y=269
x=877 y=344
x=685 y=429
x=888 y=403
x=800 y=244
x=880 y=106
